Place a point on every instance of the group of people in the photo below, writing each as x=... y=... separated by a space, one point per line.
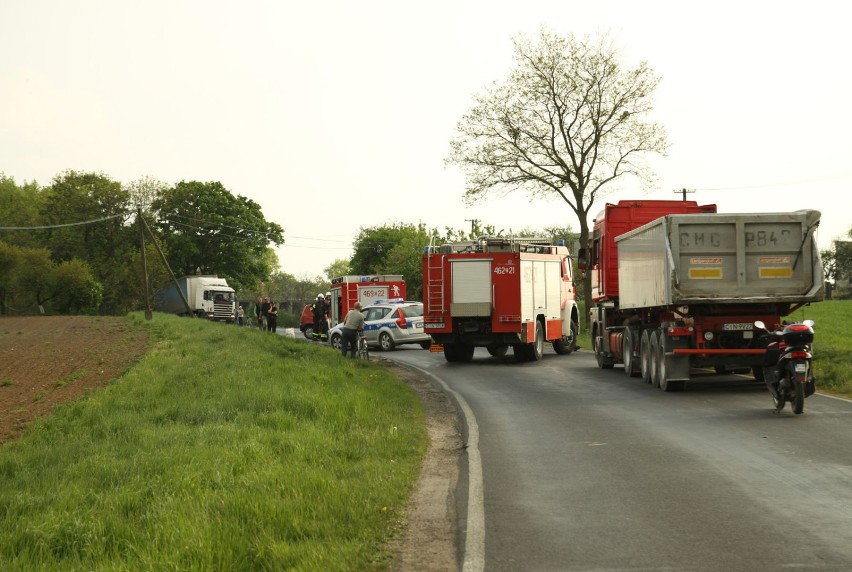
x=353 y=324
x=265 y=311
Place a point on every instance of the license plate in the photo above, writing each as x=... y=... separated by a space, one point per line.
x=434 y=325
x=801 y=368
x=737 y=327
x=418 y=324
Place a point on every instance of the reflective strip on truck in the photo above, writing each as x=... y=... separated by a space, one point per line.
x=705 y=273
x=775 y=272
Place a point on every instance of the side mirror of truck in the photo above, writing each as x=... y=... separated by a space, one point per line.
x=581 y=259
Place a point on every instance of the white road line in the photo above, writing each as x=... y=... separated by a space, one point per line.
x=474 y=546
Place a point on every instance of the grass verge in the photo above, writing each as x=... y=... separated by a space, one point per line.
x=223 y=449
x=832 y=339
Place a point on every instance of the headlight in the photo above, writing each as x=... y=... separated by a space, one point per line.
x=708 y=336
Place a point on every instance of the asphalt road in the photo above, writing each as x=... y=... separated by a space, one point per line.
x=575 y=468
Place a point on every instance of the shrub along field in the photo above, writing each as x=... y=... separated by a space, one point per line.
x=221 y=449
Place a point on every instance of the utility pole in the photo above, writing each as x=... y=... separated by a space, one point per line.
x=473 y=222
x=684 y=191
x=148 y=314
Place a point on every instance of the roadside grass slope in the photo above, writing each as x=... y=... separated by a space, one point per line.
x=222 y=449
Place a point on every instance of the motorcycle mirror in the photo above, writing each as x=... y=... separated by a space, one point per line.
x=759 y=324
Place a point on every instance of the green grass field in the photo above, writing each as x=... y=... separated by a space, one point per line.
x=832 y=340
x=223 y=449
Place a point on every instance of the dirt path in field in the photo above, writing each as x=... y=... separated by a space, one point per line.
x=46 y=360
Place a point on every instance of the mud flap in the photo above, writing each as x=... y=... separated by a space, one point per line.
x=677 y=365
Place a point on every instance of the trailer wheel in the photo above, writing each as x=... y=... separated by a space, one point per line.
x=654 y=357
x=644 y=356
x=631 y=367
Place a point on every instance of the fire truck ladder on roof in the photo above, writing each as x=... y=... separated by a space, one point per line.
x=435 y=280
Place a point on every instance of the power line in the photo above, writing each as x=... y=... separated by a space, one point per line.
x=62 y=225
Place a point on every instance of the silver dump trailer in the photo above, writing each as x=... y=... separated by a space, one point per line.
x=721 y=259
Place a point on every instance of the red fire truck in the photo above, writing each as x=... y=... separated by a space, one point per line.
x=676 y=285
x=497 y=292
x=346 y=290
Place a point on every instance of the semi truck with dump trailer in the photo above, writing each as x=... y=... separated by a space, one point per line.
x=677 y=285
x=498 y=292
x=207 y=296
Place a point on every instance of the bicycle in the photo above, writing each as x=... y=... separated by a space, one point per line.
x=363 y=350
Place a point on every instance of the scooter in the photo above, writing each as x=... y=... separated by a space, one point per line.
x=788 y=364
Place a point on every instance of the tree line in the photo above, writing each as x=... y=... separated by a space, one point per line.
x=75 y=246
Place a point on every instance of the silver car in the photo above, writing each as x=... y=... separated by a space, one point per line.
x=389 y=323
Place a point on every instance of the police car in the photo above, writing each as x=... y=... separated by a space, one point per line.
x=389 y=323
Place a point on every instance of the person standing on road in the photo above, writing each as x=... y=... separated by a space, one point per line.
x=353 y=325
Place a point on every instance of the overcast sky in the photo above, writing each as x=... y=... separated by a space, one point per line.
x=338 y=114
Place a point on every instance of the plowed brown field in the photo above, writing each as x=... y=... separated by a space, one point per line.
x=45 y=360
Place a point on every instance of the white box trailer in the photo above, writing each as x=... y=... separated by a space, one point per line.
x=208 y=297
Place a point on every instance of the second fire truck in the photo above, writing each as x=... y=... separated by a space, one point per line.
x=497 y=293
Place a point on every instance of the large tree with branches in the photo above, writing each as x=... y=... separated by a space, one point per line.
x=569 y=121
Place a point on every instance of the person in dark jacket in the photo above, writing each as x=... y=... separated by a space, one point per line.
x=319 y=310
x=272 y=317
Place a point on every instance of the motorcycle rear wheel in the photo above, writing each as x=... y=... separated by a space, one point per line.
x=798 y=395
x=779 y=398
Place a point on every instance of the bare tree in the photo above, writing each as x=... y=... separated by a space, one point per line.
x=569 y=120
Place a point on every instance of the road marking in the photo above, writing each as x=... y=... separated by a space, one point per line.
x=474 y=545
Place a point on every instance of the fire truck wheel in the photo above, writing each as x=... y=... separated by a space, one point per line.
x=451 y=353
x=567 y=344
x=426 y=345
x=466 y=353
x=537 y=348
x=386 y=342
x=644 y=356
x=498 y=350
x=757 y=371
